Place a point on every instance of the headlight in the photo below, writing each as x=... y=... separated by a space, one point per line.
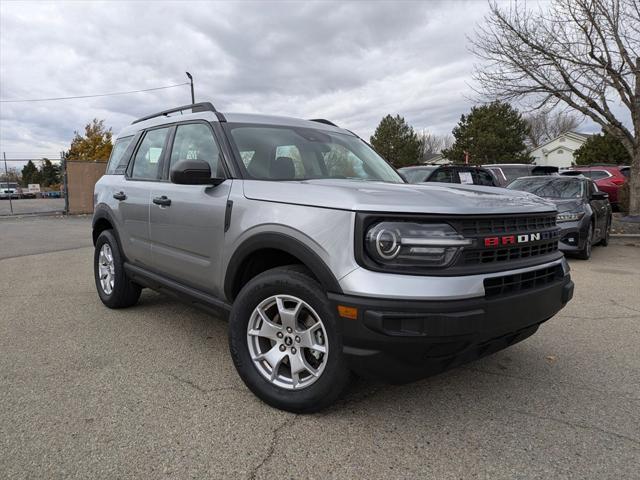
x=569 y=216
x=409 y=244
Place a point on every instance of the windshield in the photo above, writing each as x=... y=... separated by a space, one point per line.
x=416 y=175
x=294 y=153
x=550 y=187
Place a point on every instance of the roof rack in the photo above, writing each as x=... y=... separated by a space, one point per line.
x=195 y=107
x=323 y=120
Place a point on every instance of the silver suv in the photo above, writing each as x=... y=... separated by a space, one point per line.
x=325 y=261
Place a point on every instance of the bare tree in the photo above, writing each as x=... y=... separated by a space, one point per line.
x=433 y=144
x=584 y=54
x=545 y=126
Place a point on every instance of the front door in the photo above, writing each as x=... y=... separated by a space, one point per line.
x=187 y=221
x=600 y=211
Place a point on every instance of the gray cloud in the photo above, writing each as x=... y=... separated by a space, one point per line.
x=352 y=62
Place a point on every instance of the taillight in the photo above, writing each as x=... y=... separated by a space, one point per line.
x=618 y=181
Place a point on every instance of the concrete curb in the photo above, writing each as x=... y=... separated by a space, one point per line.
x=626 y=235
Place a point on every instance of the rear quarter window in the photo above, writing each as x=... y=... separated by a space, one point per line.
x=119 y=158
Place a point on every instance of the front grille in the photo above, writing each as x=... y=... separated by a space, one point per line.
x=506 y=225
x=498 y=227
x=519 y=282
x=476 y=257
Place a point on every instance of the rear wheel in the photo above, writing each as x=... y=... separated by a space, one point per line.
x=585 y=253
x=285 y=341
x=114 y=287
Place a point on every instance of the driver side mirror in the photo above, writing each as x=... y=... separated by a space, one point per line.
x=193 y=172
x=599 y=196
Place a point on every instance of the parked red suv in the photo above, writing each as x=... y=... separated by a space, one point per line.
x=608 y=178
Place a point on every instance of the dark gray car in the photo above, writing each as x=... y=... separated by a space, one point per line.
x=584 y=212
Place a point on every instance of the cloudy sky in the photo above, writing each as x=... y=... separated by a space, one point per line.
x=350 y=62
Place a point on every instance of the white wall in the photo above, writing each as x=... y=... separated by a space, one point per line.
x=558 y=152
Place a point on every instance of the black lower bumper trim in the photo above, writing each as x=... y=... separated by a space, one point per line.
x=402 y=340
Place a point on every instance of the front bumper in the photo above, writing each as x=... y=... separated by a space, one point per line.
x=400 y=341
x=573 y=235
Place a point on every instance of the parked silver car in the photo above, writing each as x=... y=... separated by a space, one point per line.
x=324 y=259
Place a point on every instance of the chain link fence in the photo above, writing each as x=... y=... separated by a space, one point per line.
x=33 y=186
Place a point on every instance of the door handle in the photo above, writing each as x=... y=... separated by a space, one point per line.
x=119 y=196
x=163 y=201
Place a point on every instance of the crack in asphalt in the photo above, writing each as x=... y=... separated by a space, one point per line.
x=192 y=384
x=576 y=425
x=275 y=437
x=529 y=379
x=188 y=382
x=621 y=305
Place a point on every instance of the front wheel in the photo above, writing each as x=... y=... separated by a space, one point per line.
x=607 y=234
x=585 y=253
x=285 y=341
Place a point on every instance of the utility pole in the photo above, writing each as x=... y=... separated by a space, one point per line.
x=65 y=181
x=193 y=97
x=6 y=172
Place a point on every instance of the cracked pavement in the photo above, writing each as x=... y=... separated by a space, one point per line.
x=150 y=392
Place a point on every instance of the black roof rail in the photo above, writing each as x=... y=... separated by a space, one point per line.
x=195 y=107
x=323 y=120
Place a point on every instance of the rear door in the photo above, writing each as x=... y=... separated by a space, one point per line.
x=142 y=174
x=187 y=228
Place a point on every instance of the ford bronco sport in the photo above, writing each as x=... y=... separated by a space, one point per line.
x=324 y=259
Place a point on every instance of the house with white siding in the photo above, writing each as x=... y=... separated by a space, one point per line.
x=559 y=151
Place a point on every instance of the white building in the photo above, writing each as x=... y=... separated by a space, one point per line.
x=559 y=151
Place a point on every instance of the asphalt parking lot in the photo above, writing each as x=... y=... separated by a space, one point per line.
x=23 y=206
x=150 y=392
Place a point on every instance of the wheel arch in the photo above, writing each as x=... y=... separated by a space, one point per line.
x=263 y=251
x=103 y=220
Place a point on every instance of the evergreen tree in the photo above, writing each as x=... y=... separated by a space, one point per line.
x=602 y=148
x=49 y=173
x=397 y=142
x=30 y=174
x=492 y=133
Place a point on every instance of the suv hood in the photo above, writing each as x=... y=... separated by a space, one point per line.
x=445 y=198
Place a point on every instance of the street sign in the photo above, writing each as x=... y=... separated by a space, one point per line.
x=34 y=188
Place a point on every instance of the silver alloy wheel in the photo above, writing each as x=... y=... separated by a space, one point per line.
x=106 y=269
x=287 y=342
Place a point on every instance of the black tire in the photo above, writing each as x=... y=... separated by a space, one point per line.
x=585 y=253
x=125 y=293
x=607 y=234
x=330 y=384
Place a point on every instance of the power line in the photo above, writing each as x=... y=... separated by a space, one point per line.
x=93 y=96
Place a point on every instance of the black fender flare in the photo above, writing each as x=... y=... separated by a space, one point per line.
x=102 y=212
x=285 y=243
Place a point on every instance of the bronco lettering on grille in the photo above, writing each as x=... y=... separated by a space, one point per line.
x=517 y=239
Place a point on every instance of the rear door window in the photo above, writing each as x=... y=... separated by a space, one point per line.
x=445 y=175
x=119 y=156
x=597 y=174
x=481 y=177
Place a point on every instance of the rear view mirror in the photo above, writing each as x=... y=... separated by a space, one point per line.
x=193 y=172
x=599 y=196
